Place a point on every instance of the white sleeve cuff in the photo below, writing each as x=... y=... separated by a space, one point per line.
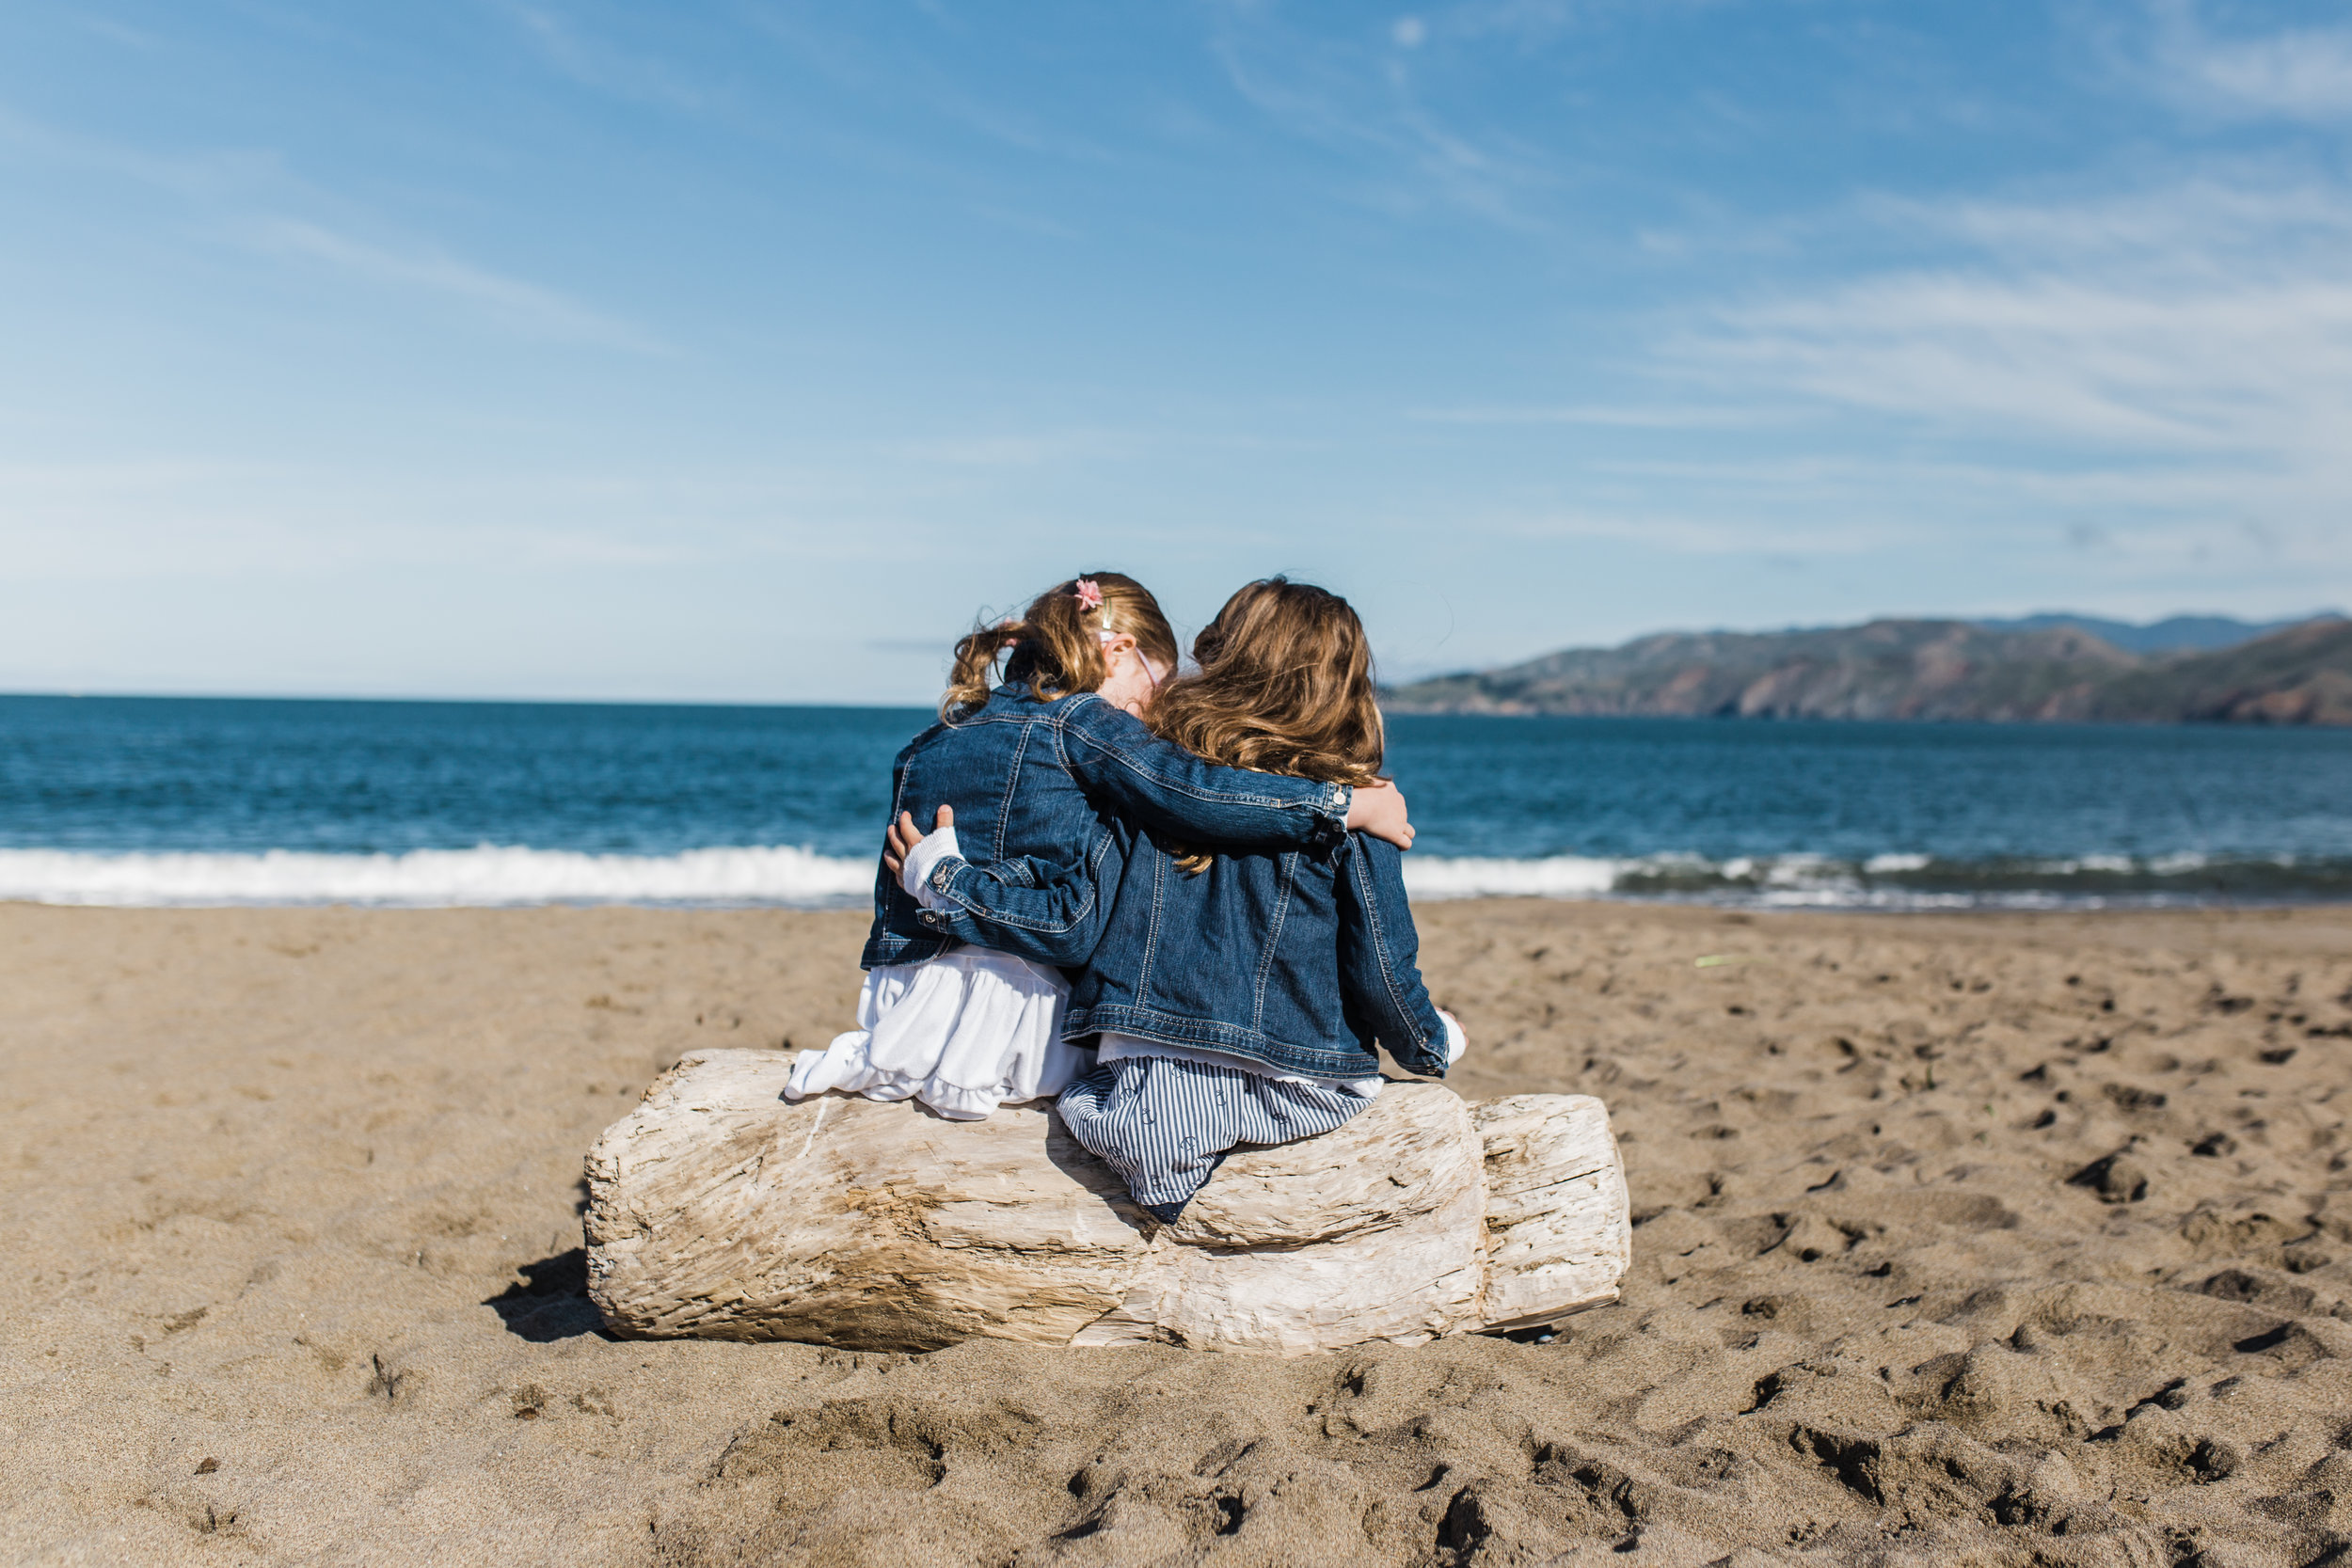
x=1455 y=1041
x=915 y=875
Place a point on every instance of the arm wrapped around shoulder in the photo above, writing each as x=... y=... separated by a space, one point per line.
x=1032 y=910
x=1380 y=959
x=1161 y=785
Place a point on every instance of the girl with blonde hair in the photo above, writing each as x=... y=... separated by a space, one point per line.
x=1030 y=770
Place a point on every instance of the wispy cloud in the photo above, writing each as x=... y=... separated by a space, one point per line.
x=121 y=32
x=1612 y=415
x=224 y=519
x=1026 y=451
x=2204 y=321
x=2301 y=73
x=923 y=78
x=524 y=307
x=255 y=199
x=1358 y=93
x=205 y=175
x=1685 y=533
x=1525 y=22
x=579 y=54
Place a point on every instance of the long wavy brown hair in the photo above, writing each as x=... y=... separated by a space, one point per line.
x=1285 y=686
x=1056 y=646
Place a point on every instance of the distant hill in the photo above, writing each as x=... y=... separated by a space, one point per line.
x=2173 y=635
x=1917 y=669
x=2302 y=675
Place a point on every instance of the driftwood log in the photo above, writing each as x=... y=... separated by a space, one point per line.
x=720 y=1209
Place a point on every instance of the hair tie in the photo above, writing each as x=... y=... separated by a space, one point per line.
x=1089 y=595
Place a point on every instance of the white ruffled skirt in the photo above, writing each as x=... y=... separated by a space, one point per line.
x=964 y=1033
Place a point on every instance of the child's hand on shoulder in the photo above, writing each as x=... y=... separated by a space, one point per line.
x=904 y=835
x=1378 y=809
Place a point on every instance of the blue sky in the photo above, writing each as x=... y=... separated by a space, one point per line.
x=745 y=351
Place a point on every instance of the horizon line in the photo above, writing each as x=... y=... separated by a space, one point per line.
x=510 y=700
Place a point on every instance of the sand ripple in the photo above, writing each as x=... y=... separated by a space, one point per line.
x=2000 y=1239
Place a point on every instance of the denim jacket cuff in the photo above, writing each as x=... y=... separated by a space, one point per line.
x=1331 y=813
x=917 y=876
x=935 y=893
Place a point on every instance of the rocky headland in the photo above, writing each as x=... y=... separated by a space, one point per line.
x=1895 y=669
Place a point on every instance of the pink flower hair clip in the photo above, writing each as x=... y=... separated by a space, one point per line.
x=1089 y=594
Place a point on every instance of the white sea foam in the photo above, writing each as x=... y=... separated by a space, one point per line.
x=2182 y=862
x=1474 y=876
x=776 y=874
x=493 y=875
x=488 y=874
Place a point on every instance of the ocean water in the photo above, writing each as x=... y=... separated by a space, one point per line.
x=138 y=800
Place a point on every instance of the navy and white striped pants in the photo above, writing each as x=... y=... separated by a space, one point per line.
x=1163 y=1124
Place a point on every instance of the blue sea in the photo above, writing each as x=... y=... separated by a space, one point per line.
x=140 y=800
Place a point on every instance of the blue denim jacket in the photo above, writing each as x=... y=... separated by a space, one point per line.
x=1034 y=786
x=1301 y=959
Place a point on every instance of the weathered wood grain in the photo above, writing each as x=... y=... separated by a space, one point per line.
x=1558 y=1224
x=1375 y=1231
x=720 y=1209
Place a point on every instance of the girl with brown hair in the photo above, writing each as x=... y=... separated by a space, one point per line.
x=1033 y=767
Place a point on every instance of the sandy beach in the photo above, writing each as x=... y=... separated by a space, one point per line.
x=1992 y=1239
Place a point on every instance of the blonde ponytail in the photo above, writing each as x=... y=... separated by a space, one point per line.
x=1056 y=646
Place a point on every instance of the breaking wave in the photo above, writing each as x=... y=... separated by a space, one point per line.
x=799 y=878
x=1895 y=882
x=486 y=874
